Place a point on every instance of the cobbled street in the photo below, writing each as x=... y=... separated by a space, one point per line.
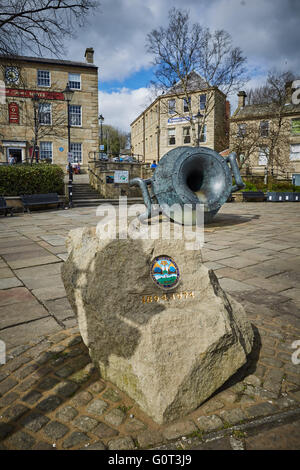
x=51 y=395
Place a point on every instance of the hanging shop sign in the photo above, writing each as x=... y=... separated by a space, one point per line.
x=13 y=113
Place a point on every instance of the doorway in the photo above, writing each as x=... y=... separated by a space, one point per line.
x=16 y=153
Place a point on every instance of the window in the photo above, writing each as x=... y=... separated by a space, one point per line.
x=186 y=135
x=263 y=156
x=43 y=78
x=295 y=152
x=75 y=115
x=45 y=113
x=171 y=106
x=241 y=132
x=186 y=105
x=203 y=134
x=296 y=126
x=264 y=128
x=171 y=136
x=46 y=150
x=75 y=81
x=76 y=150
x=202 y=101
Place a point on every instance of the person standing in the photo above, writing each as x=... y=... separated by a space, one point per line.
x=11 y=159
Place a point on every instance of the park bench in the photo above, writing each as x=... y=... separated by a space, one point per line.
x=253 y=196
x=33 y=200
x=4 y=208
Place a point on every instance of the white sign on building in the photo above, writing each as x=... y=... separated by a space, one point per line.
x=180 y=119
x=121 y=176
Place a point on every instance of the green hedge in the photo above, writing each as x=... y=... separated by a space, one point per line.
x=258 y=185
x=39 y=178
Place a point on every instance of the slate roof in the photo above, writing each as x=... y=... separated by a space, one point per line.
x=260 y=110
x=195 y=83
x=47 y=61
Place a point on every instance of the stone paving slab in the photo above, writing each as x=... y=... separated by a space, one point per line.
x=15 y=295
x=50 y=393
x=15 y=335
x=34 y=261
x=22 y=312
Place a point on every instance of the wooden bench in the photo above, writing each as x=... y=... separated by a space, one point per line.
x=4 y=208
x=33 y=200
x=253 y=196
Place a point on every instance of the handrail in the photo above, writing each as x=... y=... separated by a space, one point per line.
x=98 y=177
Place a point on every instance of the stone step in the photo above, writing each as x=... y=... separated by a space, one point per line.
x=95 y=202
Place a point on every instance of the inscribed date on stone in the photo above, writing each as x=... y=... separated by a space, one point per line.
x=148 y=299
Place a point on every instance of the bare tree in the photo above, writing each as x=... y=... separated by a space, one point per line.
x=183 y=48
x=44 y=118
x=275 y=97
x=273 y=91
x=266 y=127
x=39 y=26
x=245 y=142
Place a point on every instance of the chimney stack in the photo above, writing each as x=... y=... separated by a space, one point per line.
x=242 y=97
x=89 y=55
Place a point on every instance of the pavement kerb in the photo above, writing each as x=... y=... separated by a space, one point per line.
x=249 y=428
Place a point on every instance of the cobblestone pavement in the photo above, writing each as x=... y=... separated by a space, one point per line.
x=51 y=396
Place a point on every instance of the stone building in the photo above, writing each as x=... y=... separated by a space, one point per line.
x=34 y=110
x=166 y=123
x=266 y=137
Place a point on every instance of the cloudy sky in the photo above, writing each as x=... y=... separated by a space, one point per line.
x=267 y=31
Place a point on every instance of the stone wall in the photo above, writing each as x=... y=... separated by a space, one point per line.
x=252 y=142
x=149 y=132
x=99 y=171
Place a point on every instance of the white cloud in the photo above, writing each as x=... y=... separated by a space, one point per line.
x=120 y=108
x=267 y=31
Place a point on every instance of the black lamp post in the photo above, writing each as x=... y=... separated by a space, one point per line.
x=198 y=117
x=35 y=100
x=68 y=93
x=101 y=119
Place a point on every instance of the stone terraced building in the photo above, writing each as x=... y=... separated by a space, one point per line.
x=164 y=124
x=256 y=128
x=33 y=109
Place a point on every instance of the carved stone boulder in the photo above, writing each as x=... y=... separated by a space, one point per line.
x=168 y=350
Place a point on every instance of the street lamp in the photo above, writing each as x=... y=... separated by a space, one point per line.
x=158 y=138
x=68 y=94
x=198 y=117
x=101 y=119
x=35 y=100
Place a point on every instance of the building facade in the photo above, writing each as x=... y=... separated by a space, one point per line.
x=34 y=109
x=267 y=137
x=165 y=124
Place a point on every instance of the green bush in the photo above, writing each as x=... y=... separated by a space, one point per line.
x=39 y=178
x=257 y=184
x=249 y=186
x=282 y=187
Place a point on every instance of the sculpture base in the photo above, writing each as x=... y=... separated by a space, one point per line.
x=168 y=350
